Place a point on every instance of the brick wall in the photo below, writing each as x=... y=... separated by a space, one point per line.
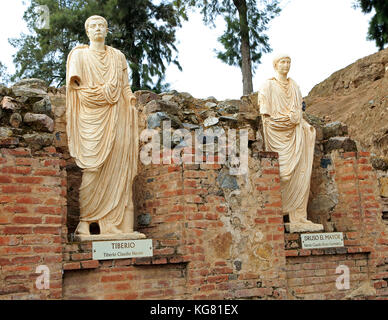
x=216 y=247
x=312 y=275
x=210 y=241
x=32 y=212
x=215 y=235
x=231 y=244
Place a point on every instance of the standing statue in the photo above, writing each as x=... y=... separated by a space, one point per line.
x=102 y=134
x=288 y=134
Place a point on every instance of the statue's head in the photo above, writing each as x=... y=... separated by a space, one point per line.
x=96 y=28
x=282 y=63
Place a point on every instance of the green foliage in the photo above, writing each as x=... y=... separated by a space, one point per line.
x=257 y=24
x=4 y=76
x=378 y=26
x=142 y=30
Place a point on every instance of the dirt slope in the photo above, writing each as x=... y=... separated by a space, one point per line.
x=358 y=96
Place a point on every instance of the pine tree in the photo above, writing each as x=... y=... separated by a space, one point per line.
x=142 y=30
x=4 y=76
x=378 y=26
x=244 y=39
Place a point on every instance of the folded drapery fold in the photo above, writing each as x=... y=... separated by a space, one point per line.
x=102 y=133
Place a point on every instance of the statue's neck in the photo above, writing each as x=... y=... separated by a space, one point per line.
x=97 y=45
x=281 y=77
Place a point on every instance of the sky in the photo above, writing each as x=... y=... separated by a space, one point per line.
x=321 y=36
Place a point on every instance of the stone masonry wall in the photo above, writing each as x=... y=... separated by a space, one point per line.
x=223 y=251
x=215 y=235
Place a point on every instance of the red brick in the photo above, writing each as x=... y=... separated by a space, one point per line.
x=46 y=172
x=113 y=278
x=122 y=286
x=29 y=180
x=23 y=161
x=15 y=189
x=349 y=154
x=277 y=220
x=303 y=252
x=18 y=152
x=348 y=177
x=211 y=216
x=176 y=259
x=17 y=230
x=28 y=200
x=223 y=270
x=71 y=266
x=54 y=162
x=8 y=240
x=221 y=209
x=81 y=256
x=17 y=249
x=5 y=199
x=26 y=260
x=260 y=221
x=27 y=220
x=164 y=251
x=277 y=204
x=13 y=268
x=16 y=170
x=52 y=259
x=173 y=217
x=5 y=179
x=364 y=154
x=271 y=171
x=207 y=287
x=48 y=249
x=291 y=253
x=89 y=264
x=52 y=220
x=49 y=210
x=16 y=209
x=159 y=261
x=4 y=262
x=47 y=230
x=217 y=279
x=16 y=288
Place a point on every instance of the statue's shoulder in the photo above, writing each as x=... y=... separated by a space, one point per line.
x=294 y=84
x=116 y=51
x=266 y=85
x=77 y=51
x=293 y=81
x=79 y=48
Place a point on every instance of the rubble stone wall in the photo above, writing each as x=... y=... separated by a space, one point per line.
x=216 y=235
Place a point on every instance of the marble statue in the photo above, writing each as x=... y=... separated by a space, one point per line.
x=102 y=134
x=288 y=134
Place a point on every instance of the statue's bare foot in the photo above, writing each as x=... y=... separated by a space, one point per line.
x=82 y=229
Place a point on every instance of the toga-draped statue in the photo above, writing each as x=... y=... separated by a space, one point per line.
x=102 y=133
x=288 y=134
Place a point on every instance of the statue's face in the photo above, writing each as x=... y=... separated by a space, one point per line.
x=97 y=30
x=283 y=65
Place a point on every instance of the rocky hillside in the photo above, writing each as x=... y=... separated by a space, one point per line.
x=358 y=96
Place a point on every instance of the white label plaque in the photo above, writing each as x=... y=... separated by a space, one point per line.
x=322 y=240
x=121 y=249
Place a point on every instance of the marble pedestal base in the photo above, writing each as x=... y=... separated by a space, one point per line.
x=119 y=236
x=303 y=227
